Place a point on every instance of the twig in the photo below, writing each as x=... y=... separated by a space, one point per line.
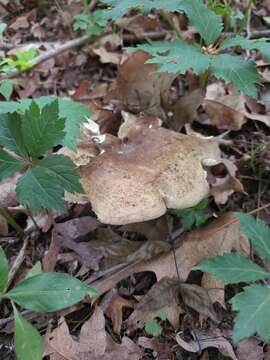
x=18 y=262
x=52 y=53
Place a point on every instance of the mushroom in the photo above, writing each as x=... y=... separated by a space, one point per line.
x=150 y=170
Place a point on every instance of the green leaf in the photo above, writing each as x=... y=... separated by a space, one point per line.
x=152 y=327
x=44 y=184
x=73 y=112
x=27 y=341
x=163 y=314
x=49 y=292
x=262 y=45
x=208 y=24
x=92 y=23
x=42 y=129
x=8 y=164
x=177 y=56
x=257 y=232
x=11 y=134
x=192 y=216
x=233 y=69
x=253 y=305
x=6 y=88
x=3 y=270
x=35 y=270
x=3 y=27
x=233 y=268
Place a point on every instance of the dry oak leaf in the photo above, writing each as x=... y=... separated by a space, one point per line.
x=221 y=236
x=155 y=169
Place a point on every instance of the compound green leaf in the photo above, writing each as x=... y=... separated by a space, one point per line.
x=42 y=129
x=257 y=232
x=50 y=291
x=8 y=164
x=208 y=24
x=253 y=305
x=176 y=57
x=3 y=269
x=44 y=184
x=262 y=45
x=11 y=134
x=27 y=340
x=233 y=268
x=233 y=69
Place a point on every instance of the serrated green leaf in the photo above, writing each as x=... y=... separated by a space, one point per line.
x=253 y=305
x=233 y=268
x=257 y=232
x=8 y=164
x=262 y=45
x=27 y=341
x=163 y=314
x=42 y=129
x=73 y=112
x=176 y=57
x=152 y=327
x=50 y=291
x=6 y=88
x=233 y=69
x=208 y=24
x=3 y=269
x=44 y=184
x=11 y=134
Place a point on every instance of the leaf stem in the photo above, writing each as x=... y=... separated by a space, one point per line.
x=169 y=19
x=12 y=222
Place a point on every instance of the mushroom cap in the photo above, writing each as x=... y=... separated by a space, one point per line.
x=154 y=170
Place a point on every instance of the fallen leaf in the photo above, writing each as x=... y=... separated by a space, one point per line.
x=8 y=197
x=162 y=349
x=250 y=349
x=204 y=340
x=115 y=311
x=221 y=236
x=3 y=226
x=162 y=295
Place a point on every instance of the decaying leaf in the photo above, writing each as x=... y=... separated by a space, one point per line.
x=142 y=91
x=162 y=295
x=204 y=340
x=93 y=343
x=229 y=111
x=8 y=195
x=250 y=349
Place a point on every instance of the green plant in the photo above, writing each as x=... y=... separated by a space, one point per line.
x=193 y=216
x=6 y=88
x=153 y=326
x=3 y=27
x=253 y=303
x=90 y=23
x=212 y=57
x=27 y=135
x=23 y=61
x=40 y=292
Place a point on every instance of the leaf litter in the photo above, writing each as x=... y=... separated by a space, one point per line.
x=141 y=248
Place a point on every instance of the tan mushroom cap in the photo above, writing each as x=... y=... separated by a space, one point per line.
x=154 y=170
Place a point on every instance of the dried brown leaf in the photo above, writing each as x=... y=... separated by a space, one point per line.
x=250 y=349
x=115 y=311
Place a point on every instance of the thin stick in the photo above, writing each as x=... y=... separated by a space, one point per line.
x=51 y=53
x=18 y=262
